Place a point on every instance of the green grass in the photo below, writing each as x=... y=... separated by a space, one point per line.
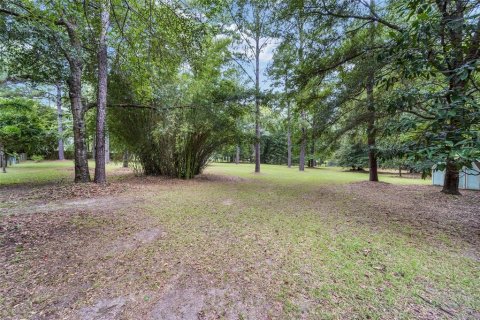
x=308 y=250
x=298 y=239
x=30 y=172
x=284 y=175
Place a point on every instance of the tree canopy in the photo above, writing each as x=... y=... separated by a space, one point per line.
x=364 y=84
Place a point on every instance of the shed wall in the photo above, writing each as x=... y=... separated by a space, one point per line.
x=469 y=179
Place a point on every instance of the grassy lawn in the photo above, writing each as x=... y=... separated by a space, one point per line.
x=30 y=172
x=319 y=244
x=283 y=175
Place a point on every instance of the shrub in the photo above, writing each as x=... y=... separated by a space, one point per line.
x=37 y=158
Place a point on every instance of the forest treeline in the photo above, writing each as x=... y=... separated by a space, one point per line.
x=368 y=83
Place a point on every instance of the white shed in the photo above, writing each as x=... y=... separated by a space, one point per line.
x=469 y=178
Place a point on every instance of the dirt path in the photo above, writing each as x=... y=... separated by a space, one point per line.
x=212 y=249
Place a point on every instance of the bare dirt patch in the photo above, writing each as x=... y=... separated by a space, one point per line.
x=193 y=297
x=106 y=309
x=227 y=202
x=135 y=240
x=46 y=198
x=219 y=178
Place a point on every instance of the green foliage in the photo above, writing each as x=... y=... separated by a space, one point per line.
x=27 y=127
x=175 y=136
x=37 y=158
x=352 y=155
x=436 y=56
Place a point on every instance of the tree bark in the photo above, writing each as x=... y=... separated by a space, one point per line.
x=3 y=159
x=125 y=159
x=303 y=146
x=100 y=155
x=107 y=148
x=61 y=153
x=452 y=178
x=257 y=98
x=93 y=146
x=459 y=55
x=74 y=58
x=289 y=138
x=371 y=130
x=82 y=173
x=237 y=155
x=312 y=162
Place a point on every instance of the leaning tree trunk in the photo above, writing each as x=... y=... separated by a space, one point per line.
x=61 y=154
x=100 y=173
x=82 y=173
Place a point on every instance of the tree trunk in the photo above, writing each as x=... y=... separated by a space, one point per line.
x=301 y=160
x=371 y=135
x=100 y=155
x=371 y=130
x=61 y=154
x=74 y=57
x=257 y=102
x=303 y=146
x=237 y=155
x=107 y=148
x=452 y=178
x=93 y=146
x=400 y=171
x=3 y=159
x=125 y=159
x=82 y=173
x=312 y=162
x=289 y=138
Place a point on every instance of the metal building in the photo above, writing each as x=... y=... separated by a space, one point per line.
x=469 y=178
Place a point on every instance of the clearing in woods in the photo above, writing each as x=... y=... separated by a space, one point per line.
x=322 y=244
